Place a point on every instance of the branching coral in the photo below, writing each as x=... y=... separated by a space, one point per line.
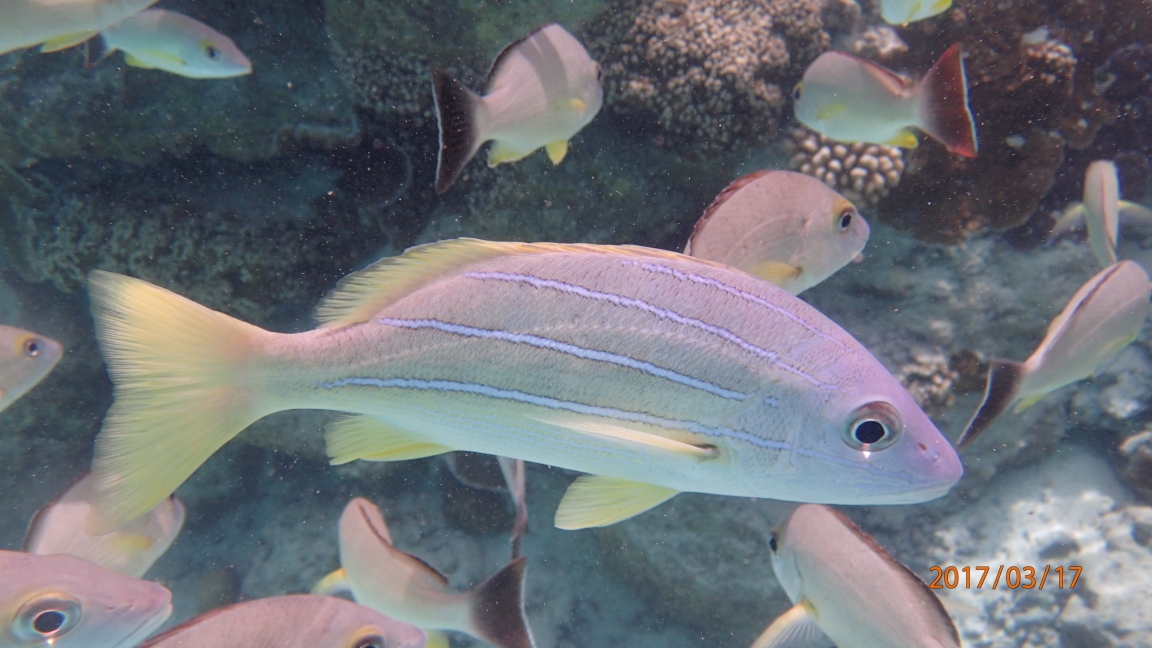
x=709 y=76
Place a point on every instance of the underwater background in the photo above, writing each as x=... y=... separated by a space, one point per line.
x=254 y=195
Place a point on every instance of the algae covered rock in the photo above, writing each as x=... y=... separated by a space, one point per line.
x=51 y=106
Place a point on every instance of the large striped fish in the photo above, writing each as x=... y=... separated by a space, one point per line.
x=652 y=371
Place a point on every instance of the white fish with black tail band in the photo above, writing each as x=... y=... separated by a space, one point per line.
x=1102 y=318
x=784 y=227
x=541 y=90
x=652 y=371
x=847 y=590
x=67 y=602
x=852 y=100
x=406 y=588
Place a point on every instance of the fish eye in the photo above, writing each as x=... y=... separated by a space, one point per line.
x=845 y=218
x=599 y=72
x=796 y=91
x=211 y=51
x=773 y=544
x=47 y=617
x=873 y=427
x=31 y=348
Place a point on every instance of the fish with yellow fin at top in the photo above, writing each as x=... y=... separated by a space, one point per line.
x=165 y=40
x=849 y=99
x=60 y=528
x=406 y=588
x=293 y=621
x=541 y=90
x=846 y=588
x=902 y=12
x=25 y=359
x=67 y=602
x=1102 y=318
x=652 y=371
x=1102 y=211
x=60 y=24
x=784 y=227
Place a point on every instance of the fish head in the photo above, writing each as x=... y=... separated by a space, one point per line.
x=381 y=635
x=862 y=441
x=68 y=602
x=834 y=231
x=784 y=562
x=25 y=358
x=217 y=57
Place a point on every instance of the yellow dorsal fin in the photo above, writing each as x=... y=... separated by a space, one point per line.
x=65 y=41
x=362 y=294
x=132 y=61
x=557 y=150
x=904 y=139
x=594 y=501
x=775 y=272
x=372 y=439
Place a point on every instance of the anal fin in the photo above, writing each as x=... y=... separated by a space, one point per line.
x=796 y=628
x=332 y=584
x=904 y=139
x=372 y=439
x=501 y=153
x=595 y=501
x=65 y=41
x=775 y=272
x=557 y=150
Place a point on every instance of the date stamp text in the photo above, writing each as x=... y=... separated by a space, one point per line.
x=1012 y=577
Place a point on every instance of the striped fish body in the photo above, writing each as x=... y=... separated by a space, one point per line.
x=623 y=362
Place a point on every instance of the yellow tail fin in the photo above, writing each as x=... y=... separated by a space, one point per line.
x=185 y=384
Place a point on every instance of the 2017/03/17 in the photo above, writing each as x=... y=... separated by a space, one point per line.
x=1014 y=577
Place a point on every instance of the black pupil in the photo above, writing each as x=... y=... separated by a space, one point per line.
x=32 y=348
x=772 y=543
x=371 y=642
x=845 y=220
x=212 y=52
x=869 y=432
x=48 y=622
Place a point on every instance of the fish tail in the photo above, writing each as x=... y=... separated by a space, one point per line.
x=184 y=385
x=498 y=608
x=944 y=112
x=1003 y=389
x=459 y=133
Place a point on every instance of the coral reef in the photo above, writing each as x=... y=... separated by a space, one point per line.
x=706 y=76
x=1031 y=67
x=861 y=172
x=52 y=107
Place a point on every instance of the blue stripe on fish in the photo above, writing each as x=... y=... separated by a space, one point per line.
x=593 y=410
x=662 y=313
x=567 y=348
x=731 y=290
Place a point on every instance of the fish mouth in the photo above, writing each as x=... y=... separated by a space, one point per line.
x=146 y=627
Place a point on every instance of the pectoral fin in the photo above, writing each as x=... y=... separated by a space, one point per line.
x=65 y=41
x=594 y=501
x=904 y=139
x=372 y=439
x=1134 y=210
x=332 y=584
x=796 y=628
x=557 y=150
x=775 y=272
x=132 y=61
x=436 y=639
x=630 y=436
x=155 y=55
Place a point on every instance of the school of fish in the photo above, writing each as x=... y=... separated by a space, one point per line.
x=650 y=372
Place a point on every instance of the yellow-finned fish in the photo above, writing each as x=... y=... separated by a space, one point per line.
x=902 y=12
x=59 y=24
x=541 y=90
x=1102 y=318
x=653 y=371
x=25 y=358
x=784 y=227
x=406 y=588
x=67 y=602
x=847 y=588
x=60 y=528
x=852 y=100
x=1102 y=211
x=295 y=621
x=170 y=41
